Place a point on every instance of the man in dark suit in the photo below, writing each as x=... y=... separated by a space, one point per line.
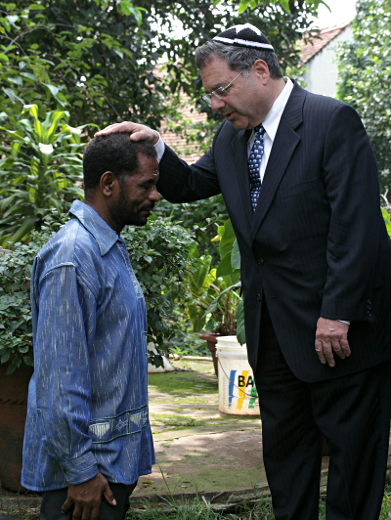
x=299 y=180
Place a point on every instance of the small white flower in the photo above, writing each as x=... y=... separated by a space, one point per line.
x=46 y=149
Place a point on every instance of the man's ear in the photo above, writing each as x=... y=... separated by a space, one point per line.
x=261 y=68
x=107 y=183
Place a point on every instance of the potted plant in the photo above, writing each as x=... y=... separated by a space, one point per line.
x=215 y=304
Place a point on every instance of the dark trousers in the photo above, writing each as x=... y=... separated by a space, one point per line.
x=352 y=413
x=53 y=500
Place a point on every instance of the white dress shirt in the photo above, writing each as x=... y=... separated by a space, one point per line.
x=270 y=124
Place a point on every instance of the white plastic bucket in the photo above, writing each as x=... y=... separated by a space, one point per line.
x=237 y=391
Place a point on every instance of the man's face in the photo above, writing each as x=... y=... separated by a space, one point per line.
x=245 y=105
x=136 y=195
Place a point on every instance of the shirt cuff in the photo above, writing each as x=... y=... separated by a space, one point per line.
x=80 y=469
x=159 y=147
x=344 y=321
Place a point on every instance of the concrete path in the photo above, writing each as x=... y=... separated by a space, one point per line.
x=199 y=451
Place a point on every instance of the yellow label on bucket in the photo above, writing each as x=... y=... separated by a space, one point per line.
x=241 y=386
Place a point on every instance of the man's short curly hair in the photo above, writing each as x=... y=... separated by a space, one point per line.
x=115 y=153
x=237 y=58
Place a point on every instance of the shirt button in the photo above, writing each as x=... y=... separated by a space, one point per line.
x=261 y=261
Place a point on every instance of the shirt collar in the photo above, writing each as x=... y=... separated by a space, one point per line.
x=272 y=120
x=93 y=222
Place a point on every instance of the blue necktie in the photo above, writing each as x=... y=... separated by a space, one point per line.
x=254 y=162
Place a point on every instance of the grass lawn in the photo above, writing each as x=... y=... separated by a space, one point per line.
x=197 y=510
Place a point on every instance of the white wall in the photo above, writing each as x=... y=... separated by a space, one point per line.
x=322 y=72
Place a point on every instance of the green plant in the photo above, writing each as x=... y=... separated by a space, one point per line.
x=61 y=53
x=387 y=220
x=15 y=311
x=186 y=342
x=41 y=169
x=290 y=6
x=200 y=219
x=385 y=508
x=215 y=303
x=365 y=75
x=99 y=58
x=159 y=252
x=202 y=509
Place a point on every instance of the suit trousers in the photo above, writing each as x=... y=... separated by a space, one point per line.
x=53 y=500
x=351 y=412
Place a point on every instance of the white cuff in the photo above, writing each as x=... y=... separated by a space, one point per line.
x=344 y=321
x=159 y=147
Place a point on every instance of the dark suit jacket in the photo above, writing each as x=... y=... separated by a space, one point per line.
x=317 y=244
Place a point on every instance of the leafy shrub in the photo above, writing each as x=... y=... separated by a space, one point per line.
x=364 y=78
x=15 y=311
x=160 y=257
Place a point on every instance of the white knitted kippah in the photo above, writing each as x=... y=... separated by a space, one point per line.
x=245 y=35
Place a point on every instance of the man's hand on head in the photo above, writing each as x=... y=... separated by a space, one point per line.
x=137 y=132
x=331 y=336
x=87 y=497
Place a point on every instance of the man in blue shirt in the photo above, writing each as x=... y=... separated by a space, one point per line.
x=87 y=431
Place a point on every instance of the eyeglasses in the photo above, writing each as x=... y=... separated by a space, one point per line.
x=220 y=92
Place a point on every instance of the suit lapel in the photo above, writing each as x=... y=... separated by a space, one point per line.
x=239 y=145
x=284 y=146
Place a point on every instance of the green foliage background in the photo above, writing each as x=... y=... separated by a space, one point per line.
x=40 y=168
x=98 y=58
x=365 y=78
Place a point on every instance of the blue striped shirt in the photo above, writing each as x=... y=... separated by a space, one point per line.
x=88 y=397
